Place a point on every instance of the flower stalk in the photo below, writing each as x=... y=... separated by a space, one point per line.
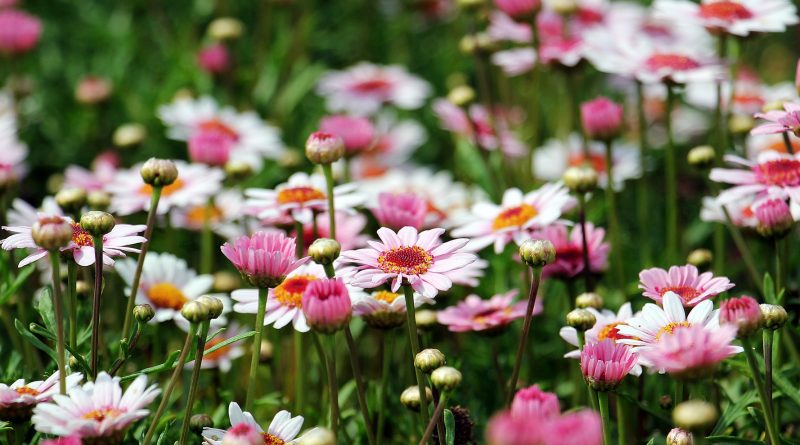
x=605 y=415
x=59 y=319
x=360 y=388
x=98 y=289
x=613 y=220
x=671 y=172
x=414 y=341
x=766 y=403
x=255 y=353
x=327 y=170
x=526 y=327
x=200 y=346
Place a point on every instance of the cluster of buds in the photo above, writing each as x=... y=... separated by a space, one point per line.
x=202 y=309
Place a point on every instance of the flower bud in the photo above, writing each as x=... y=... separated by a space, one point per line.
x=429 y=359
x=266 y=351
x=143 y=313
x=426 y=319
x=537 y=253
x=484 y=42
x=213 y=305
x=73 y=362
x=700 y=258
x=581 y=319
x=461 y=95
x=97 y=223
x=129 y=135
x=317 y=436
x=773 y=316
x=83 y=288
x=51 y=232
x=468 y=44
x=775 y=105
x=665 y=401
x=741 y=124
x=199 y=421
x=696 y=416
x=601 y=119
x=92 y=90
x=774 y=219
x=71 y=199
x=324 y=251
x=446 y=378
x=159 y=172
x=194 y=312
x=678 y=436
x=324 y=148
x=563 y=7
x=580 y=179
x=743 y=312
x=238 y=170
x=98 y=200
x=326 y=305
x=225 y=28
x=226 y=282
x=410 y=397
x=589 y=299
x=701 y=157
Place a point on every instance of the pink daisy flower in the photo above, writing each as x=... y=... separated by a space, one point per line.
x=743 y=313
x=326 y=305
x=115 y=243
x=396 y=211
x=19 y=31
x=686 y=281
x=513 y=219
x=736 y=17
x=18 y=399
x=396 y=140
x=282 y=430
x=264 y=259
x=103 y=172
x=535 y=403
x=606 y=327
x=505 y=428
x=69 y=440
x=518 y=8
x=693 y=351
x=477 y=121
x=504 y=28
x=358 y=133
x=604 y=364
x=364 y=88
x=96 y=411
x=780 y=121
x=576 y=428
x=384 y=309
x=742 y=211
x=418 y=259
x=569 y=250
x=581 y=427
x=300 y=197
x=348 y=230
x=478 y=315
x=225 y=214
x=242 y=434
x=214 y=58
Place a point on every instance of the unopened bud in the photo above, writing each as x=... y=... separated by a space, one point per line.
x=97 y=223
x=563 y=7
x=213 y=305
x=159 y=172
x=537 y=253
x=589 y=299
x=429 y=359
x=700 y=258
x=773 y=316
x=238 y=170
x=129 y=135
x=226 y=282
x=679 y=437
x=51 y=232
x=741 y=124
x=265 y=351
x=194 y=312
x=71 y=200
x=701 y=157
x=324 y=148
x=580 y=179
x=696 y=416
x=83 y=288
x=143 y=313
x=461 y=95
x=426 y=319
x=200 y=421
x=98 y=200
x=775 y=105
x=225 y=28
x=581 y=319
x=468 y=44
x=317 y=436
x=446 y=378
x=324 y=251
x=410 y=397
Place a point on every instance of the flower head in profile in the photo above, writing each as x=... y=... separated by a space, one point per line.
x=734 y=17
x=518 y=8
x=686 y=281
x=383 y=309
x=787 y=120
x=326 y=305
x=19 y=31
x=282 y=430
x=533 y=402
x=743 y=313
x=69 y=440
x=575 y=428
x=604 y=364
x=479 y=315
x=569 y=250
x=476 y=124
x=97 y=411
x=601 y=118
x=419 y=259
x=264 y=259
x=692 y=352
x=396 y=211
x=513 y=219
x=18 y=399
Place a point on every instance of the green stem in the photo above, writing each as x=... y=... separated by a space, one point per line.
x=328 y=171
x=744 y=251
x=333 y=386
x=299 y=377
x=719 y=115
x=766 y=404
x=613 y=220
x=59 y=319
x=779 y=277
x=173 y=381
x=385 y=365
x=98 y=289
x=207 y=241
x=148 y=233
x=587 y=270
x=680 y=392
x=323 y=360
x=434 y=420
x=200 y=348
x=768 y=336
x=72 y=283
x=621 y=436
x=299 y=245
x=362 y=392
x=255 y=354
x=413 y=339
x=788 y=143
x=526 y=327
x=642 y=195
x=605 y=415
x=671 y=173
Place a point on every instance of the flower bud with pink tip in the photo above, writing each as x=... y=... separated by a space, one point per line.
x=601 y=119
x=264 y=259
x=326 y=305
x=358 y=133
x=242 y=434
x=396 y=211
x=606 y=363
x=324 y=148
x=743 y=312
x=214 y=59
x=774 y=218
x=533 y=402
x=19 y=31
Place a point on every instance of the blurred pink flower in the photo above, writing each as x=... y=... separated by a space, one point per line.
x=743 y=313
x=326 y=305
x=477 y=121
x=576 y=428
x=504 y=428
x=691 y=286
x=92 y=90
x=504 y=28
x=104 y=169
x=518 y=8
x=69 y=440
x=396 y=211
x=601 y=118
x=781 y=121
x=8 y=3
x=692 y=351
x=214 y=58
x=419 y=259
x=474 y=314
x=212 y=144
x=604 y=364
x=736 y=17
x=569 y=249
x=242 y=434
x=535 y=403
x=348 y=230
x=19 y=31
x=358 y=133
x=264 y=259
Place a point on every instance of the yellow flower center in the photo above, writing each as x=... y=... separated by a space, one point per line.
x=407 y=260
x=197 y=215
x=290 y=292
x=299 y=195
x=671 y=328
x=27 y=390
x=167 y=190
x=385 y=296
x=611 y=331
x=80 y=237
x=166 y=295
x=514 y=217
x=101 y=414
x=270 y=439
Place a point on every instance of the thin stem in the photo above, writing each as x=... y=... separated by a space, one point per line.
x=642 y=195
x=413 y=339
x=299 y=377
x=613 y=220
x=323 y=360
x=766 y=404
x=672 y=184
x=587 y=270
x=98 y=289
x=328 y=171
x=187 y=345
x=768 y=337
x=388 y=347
x=299 y=245
x=680 y=392
x=621 y=436
x=779 y=278
x=207 y=241
x=59 y=319
x=744 y=251
x=434 y=420
x=362 y=392
x=72 y=283
x=255 y=354
x=200 y=348
x=605 y=415
x=526 y=327
x=333 y=386
x=788 y=143
x=148 y=233
x=719 y=115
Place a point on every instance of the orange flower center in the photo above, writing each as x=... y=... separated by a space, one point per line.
x=674 y=62
x=80 y=236
x=611 y=331
x=686 y=292
x=26 y=390
x=217 y=354
x=101 y=414
x=218 y=126
x=270 y=439
x=407 y=260
x=671 y=328
x=514 y=217
x=780 y=172
x=299 y=195
x=290 y=292
x=596 y=161
x=385 y=296
x=197 y=215
x=167 y=190
x=166 y=295
x=726 y=10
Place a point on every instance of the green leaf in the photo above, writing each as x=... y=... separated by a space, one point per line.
x=8 y=291
x=786 y=387
x=734 y=411
x=449 y=427
x=769 y=289
x=27 y=335
x=732 y=440
x=43 y=302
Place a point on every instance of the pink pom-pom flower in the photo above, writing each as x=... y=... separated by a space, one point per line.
x=743 y=313
x=326 y=305
x=606 y=363
x=264 y=259
x=601 y=118
x=396 y=211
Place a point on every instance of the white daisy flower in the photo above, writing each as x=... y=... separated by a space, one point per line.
x=282 y=430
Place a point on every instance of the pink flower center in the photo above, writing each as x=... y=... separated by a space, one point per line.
x=725 y=10
x=780 y=172
x=270 y=439
x=514 y=217
x=299 y=195
x=673 y=62
x=80 y=237
x=290 y=292
x=217 y=126
x=406 y=260
x=101 y=414
x=376 y=86
x=685 y=292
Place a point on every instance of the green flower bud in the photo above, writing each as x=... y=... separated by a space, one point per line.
x=429 y=359
x=324 y=251
x=51 y=232
x=537 y=253
x=446 y=378
x=159 y=172
x=581 y=319
x=97 y=223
